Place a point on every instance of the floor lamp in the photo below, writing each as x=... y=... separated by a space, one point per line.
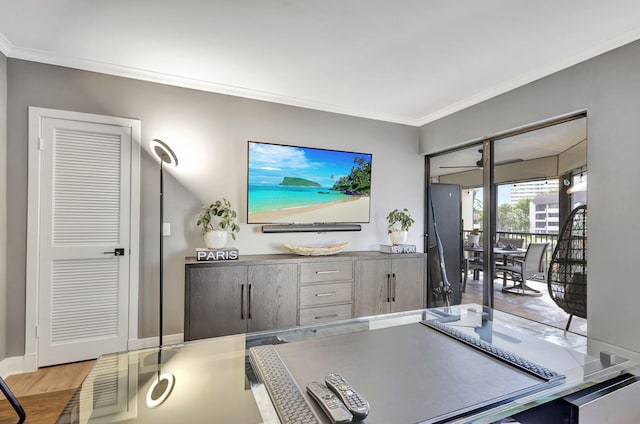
x=166 y=157
x=163 y=383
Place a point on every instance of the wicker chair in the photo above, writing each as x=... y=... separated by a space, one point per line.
x=567 y=276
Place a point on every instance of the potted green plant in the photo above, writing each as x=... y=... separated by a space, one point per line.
x=216 y=221
x=399 y=223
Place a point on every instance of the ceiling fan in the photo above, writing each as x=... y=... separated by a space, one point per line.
x=479 y=163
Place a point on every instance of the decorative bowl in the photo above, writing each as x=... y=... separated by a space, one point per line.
x=317 y=250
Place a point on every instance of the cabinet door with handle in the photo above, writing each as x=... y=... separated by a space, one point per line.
x=215 y=301
x=408 y=288
x=373 y=289
x=272 y=295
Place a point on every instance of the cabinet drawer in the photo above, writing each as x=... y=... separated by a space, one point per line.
x=315 y=272
x=322 y=294
x=322 y=314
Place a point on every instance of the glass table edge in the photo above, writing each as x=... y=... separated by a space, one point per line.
x=630 y=365
x=630 y=361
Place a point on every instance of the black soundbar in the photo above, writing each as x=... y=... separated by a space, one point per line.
x=309 y=228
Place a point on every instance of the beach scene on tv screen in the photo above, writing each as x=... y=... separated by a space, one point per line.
x=289 y=184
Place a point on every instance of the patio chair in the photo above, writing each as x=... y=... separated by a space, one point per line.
x=515 y=242
x=567 y=276
x=473 y=263
x=522 y=270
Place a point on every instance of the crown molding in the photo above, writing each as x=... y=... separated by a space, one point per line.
x=531 y=76
x=9 y=50
x=5 y=46
x=196 y=84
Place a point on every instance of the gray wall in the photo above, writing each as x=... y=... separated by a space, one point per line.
x=3 y=204
x=608 y=88
x=225 y=123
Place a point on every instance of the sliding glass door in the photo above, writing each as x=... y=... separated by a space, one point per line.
x=516 y=188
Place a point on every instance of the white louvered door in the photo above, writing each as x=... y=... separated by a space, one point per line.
x=84 y=217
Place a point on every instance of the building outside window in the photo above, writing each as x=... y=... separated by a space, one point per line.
x=546 y=216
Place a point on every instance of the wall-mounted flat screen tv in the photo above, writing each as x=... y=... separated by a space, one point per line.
x=304 y=185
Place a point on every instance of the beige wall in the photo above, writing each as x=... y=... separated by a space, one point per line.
x=215 y=129
x=608 y=88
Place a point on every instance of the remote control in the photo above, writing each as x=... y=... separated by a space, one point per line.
x=355 y=403
x=331 y=405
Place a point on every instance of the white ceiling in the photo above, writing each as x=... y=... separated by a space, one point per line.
x=406 y=61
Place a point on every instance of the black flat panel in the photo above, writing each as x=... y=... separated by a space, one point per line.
x=448 y=211
x=409 y=373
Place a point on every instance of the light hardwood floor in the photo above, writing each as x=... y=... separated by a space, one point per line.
x=44 y=393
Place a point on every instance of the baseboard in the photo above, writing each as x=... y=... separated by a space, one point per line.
x=27 y=363
x=171 y=339
x=13 y=365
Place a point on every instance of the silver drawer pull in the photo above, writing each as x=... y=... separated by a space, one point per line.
x=326 y=294
x=332 y=271
x=327 y=316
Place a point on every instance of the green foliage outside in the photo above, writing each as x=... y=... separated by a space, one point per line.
x=514 y=218
x=523 y=205
x=359 y=179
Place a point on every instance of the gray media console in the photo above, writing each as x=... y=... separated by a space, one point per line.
x=266 y=292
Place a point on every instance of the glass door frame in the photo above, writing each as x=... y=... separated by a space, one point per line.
x=489 y=220
x=490 y=198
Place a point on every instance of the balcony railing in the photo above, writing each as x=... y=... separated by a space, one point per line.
x=552 y=239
